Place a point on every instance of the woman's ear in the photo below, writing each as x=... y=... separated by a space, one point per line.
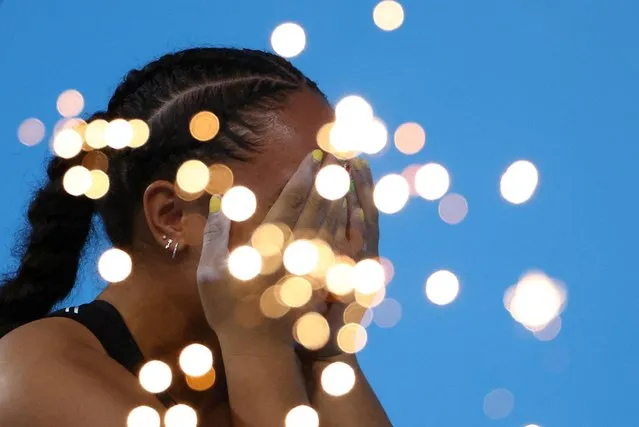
x=164 y=212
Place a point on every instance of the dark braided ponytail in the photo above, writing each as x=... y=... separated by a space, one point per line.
x=243 y=87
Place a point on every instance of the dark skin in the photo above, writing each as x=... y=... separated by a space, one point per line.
x=60 y=374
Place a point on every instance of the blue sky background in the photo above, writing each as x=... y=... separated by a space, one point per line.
x=554 y=82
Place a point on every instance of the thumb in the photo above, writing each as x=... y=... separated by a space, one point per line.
x=215 y=243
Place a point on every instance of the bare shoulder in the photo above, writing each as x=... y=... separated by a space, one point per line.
x=54 y=372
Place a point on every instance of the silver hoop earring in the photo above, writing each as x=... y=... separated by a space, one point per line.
x=175 y=248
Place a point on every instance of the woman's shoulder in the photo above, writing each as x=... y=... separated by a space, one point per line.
x=55 y=364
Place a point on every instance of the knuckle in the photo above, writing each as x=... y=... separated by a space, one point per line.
x=295 y=199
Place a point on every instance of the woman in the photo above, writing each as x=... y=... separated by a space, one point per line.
x=79 y=368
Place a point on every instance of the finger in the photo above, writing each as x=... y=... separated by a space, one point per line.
x=328 y=229
x=291 y=202
x=212 y=265
x=364 y=189
x=341 y=243
x=316 y=208
x=357 y=231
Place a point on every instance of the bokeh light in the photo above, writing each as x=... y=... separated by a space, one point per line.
x=301 y=257
x=203 y=382
x=409 y=173
x=432 y=181
x=353 y=109
x=70 y=103
x=312 y=331
x=180 y=416
x=370 y=300
x=391 y=193
x=332 y=182
x=295 y=291
x=77 y=180
x=388 y=15
x=114 y=265
x=340 y=278
x=96 y=160
x=192 y=176
x=453 y=208
x=270 y=304
x=155 y=376
x=31 y=132
x=204 y=126
x=498 y=404
x=519 y=182
x=220 y=179
x=196 y=360
x=535 y=300
x=356 y=313
x=368 y=275
x=239 y=203
x=388 y=313
x=302 y=416
x=99 y=185
x=268 y=239
x=118 y=134
x=67 y=143
x=442 y=287
x=325 y=259
x=94 y=133
x=288 y=39
x=141 y=133
x=143 y=416
x=244 y=263
x=410 y=138
x=550 y=331
x=337 y=379
x=352 y=338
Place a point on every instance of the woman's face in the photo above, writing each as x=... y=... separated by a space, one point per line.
x=292 y=137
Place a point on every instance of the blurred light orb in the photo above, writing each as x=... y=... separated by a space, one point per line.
x=268 y=239
x=442 y=287
x=301 y=257
x=192 y=176
x=391 y=193
x=332 y=182
x=143 y=416
x=356 y=313
x=203 y=382
x=180 y=416
x=302 y=416
x=141 y=133
x=31 y=132
x=196 y=360
x=550 y=331
x=70 y=103
x=409 y=175
x=370 y=300
x=410 y=138
x=519 y=182
x=535 y=301
x=388 y=313
x=244 y=263
x=453 y=208
x=114 y=265
x=353 y=110
x=77 y=180
x=369 y=276
x=340 y=278
x=99 y=185
x=312 y=331
x=288 y=39
x=377 y=137
x=337 y=379
x=532 y=425
x=432 y=181
x=220 y=179
x=295 y=291
x=118 y=134
x=94 y=133
x=155 y=376
x=388 y=15
x=239 y=203
x=270 y=304
x=352 y=338
x=67 y=143
x=498 y=404
x=204 y=126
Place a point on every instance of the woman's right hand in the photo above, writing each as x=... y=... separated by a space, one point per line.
x=301 y=209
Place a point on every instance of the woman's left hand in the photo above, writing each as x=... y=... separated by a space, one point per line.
x=359 y=240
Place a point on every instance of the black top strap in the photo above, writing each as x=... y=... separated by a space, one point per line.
x=106 y=323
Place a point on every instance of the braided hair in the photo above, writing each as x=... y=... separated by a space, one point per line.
x=242 y=87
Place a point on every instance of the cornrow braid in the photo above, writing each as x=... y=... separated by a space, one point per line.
x=243 y=87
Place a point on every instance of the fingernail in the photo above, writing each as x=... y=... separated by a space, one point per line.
x=360 y=213
x=215 y=204
x=344 y=203
x=352 y=189
x=359 y=163
x=318 y=155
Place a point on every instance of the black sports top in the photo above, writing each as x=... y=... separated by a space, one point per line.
x=105 y=322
